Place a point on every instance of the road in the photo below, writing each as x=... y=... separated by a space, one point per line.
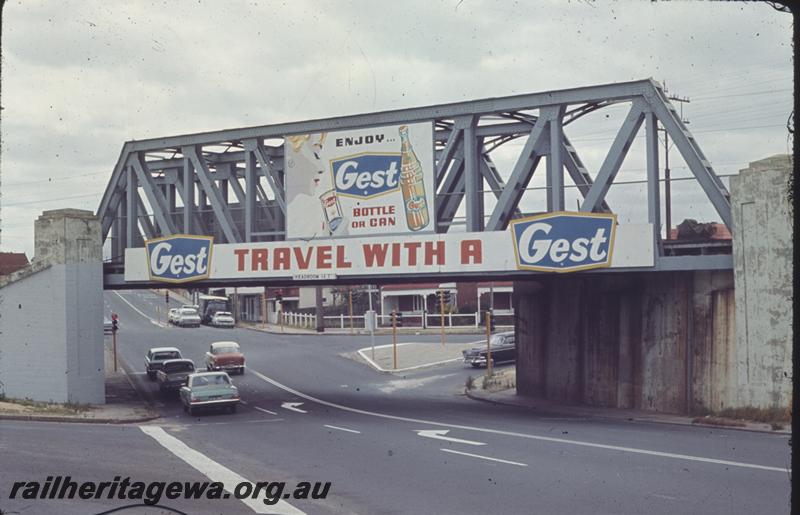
x=395 y=444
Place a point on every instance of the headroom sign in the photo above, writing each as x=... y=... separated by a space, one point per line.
x=360 y=182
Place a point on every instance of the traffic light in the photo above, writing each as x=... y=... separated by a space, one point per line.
x=166 y=296
x=398 y=319
x=491 y=321
x=114 y=322
x=446 y=299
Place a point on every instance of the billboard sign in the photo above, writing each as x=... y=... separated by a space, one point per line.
x=558 y=242
x=179 y=259
x=360 y=182
x=564 y=242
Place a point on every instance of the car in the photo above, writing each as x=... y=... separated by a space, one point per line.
x=173 y=374
x=191 y=306
x=155 y=358
x=107 y=325
x=222 y=319
x=503 y=349
x=225 y=356
x=172 y=316
x=188 y=317
x=209 y=390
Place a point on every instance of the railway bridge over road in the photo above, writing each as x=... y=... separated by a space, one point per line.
x=610 y=309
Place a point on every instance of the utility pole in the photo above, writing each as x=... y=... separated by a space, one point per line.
x=667 y=178
x=319 y=313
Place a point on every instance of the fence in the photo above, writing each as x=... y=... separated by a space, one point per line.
x=418 y=320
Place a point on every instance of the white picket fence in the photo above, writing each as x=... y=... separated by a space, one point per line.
x=308 y=320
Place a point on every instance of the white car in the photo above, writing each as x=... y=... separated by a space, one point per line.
x=172 y=316
x=188 y=317
x=222 y=319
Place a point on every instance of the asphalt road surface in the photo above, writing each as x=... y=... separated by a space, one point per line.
x=408 y=443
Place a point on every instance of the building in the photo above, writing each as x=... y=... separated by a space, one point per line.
x=12 y=261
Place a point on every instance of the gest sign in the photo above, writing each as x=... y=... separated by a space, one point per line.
x=180 y=258
x=563 y=242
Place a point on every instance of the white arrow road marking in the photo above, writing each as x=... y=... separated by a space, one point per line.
x=484 y=457
x=293 y=406
x=216 y=472
x=519 y=435
x=439 y=434
x=343 y=429
x=264 y=410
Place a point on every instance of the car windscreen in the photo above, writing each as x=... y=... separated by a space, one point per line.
x=160 y=356
x=222 y=314
x=499 y=339
x=210 y=380
x=225 y=349
x=170 y=368
x=188 y=311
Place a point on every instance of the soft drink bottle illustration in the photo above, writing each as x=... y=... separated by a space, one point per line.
x=412 y=185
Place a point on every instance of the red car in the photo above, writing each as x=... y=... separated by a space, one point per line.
x=225 y=356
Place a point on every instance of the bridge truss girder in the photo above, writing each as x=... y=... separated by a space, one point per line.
x=231 y=182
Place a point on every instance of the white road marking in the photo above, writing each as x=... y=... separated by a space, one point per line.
x=343 y=429
x=484 y=457
x=519 y=435
x=439 y=434
x=216 y=472
x=293 y=406
x=363 y=354
x=264 y=410
x=126 y=301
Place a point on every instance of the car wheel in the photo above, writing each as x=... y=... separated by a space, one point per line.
x=233 y=408
x=241 y=371
x=208 y=368
x=191 y=411
x=151 y=375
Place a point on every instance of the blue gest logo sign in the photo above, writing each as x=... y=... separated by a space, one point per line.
x=366 y=175
x=563 y=241
x=180 y=258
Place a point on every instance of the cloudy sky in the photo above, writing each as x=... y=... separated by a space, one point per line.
x=79 y=78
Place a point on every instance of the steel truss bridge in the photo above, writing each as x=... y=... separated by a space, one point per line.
x=231 y=182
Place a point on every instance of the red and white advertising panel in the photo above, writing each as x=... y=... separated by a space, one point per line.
x=360 y=182
x=628 y=246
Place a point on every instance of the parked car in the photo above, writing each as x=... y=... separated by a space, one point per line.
x=209 y=390
x=222 y=319
x=156 y=357
x=188 y=317
x=173 y=374
x=172 y=316
x=225 y=356
x=503 y=350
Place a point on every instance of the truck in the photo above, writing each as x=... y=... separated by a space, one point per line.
x=209 y=305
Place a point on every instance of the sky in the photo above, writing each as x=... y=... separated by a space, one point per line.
x=79 y=78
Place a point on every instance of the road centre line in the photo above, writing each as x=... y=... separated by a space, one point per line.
x=484 y=457
x=216 y=472
x=343 y=429
x=632 y=450
x=264 y=410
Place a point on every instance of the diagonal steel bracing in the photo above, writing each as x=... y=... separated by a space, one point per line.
x=223 y=215
x=202 y=168
x=619 y=149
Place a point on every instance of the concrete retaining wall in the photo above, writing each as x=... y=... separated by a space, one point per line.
x=682 y=342
x=645 y=341
x=51 y=315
